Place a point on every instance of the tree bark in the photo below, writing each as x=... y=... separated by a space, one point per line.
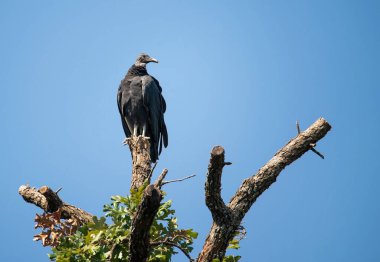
x=227 y=218
x=142 y=221
x=49 y=201
x=213 y=186
x=141 y=165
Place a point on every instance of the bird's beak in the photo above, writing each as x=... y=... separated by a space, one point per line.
x=153 y=60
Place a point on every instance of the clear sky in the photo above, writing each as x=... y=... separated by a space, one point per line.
x=234 y=73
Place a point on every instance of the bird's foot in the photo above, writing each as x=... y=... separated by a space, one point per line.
x=135 y=138
x=141 y=137
x=126 y=140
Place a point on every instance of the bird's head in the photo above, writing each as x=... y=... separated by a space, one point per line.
x=143 y=59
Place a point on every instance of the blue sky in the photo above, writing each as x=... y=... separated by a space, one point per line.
x=234 y=73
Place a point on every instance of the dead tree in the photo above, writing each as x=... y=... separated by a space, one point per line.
x=226 y=217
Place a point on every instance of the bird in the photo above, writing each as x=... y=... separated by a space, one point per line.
x=142 y=106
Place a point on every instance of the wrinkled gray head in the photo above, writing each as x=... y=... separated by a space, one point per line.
x=143 y=59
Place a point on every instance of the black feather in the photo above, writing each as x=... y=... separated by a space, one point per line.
x=140 y=103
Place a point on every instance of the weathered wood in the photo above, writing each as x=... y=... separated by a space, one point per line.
x=213 y=186
x=253 y=186
x=49 y=201
x=141 y=164
x=142 y=221
x=222 y=230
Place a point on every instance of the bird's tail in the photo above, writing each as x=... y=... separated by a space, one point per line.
x=153 y=151
x=163 y=137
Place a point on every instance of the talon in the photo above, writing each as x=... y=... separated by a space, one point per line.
x=125 y=141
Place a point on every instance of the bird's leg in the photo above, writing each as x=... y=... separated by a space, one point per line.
x=144 y=130
x=135 y=130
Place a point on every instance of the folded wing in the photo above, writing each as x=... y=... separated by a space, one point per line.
x=156 y=106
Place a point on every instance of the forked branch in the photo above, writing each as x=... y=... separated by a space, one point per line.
x=223 y=230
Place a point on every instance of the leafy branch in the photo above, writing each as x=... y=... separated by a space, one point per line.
x=98 y=240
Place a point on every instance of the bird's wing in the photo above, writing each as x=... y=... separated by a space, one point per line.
x=162 y=98
x=156 y=106
x=120 y=105
x=119 y=95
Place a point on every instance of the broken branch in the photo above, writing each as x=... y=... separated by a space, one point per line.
x=49 y=201
x=312 y=145
x=213 y=185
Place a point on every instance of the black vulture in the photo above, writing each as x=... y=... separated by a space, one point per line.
x=142 y=106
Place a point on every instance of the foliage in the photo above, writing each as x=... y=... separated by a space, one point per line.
x=228 y=259
x=102 y=241
x=54 y=228
x=99 y=241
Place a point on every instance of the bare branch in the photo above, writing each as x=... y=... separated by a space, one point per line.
x=176 y=180
x=254 y=186
x=223 y=231
x=317 y=152
x=160 y=179
x=312 y=145
x=49 y=201
x=214 y=199
x=58 y=190
x=298 y=127
x=151 y=171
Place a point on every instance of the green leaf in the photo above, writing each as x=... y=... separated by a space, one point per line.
x=94 y=241
x=234 y=244
x=191 y=233
x=231 y=258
